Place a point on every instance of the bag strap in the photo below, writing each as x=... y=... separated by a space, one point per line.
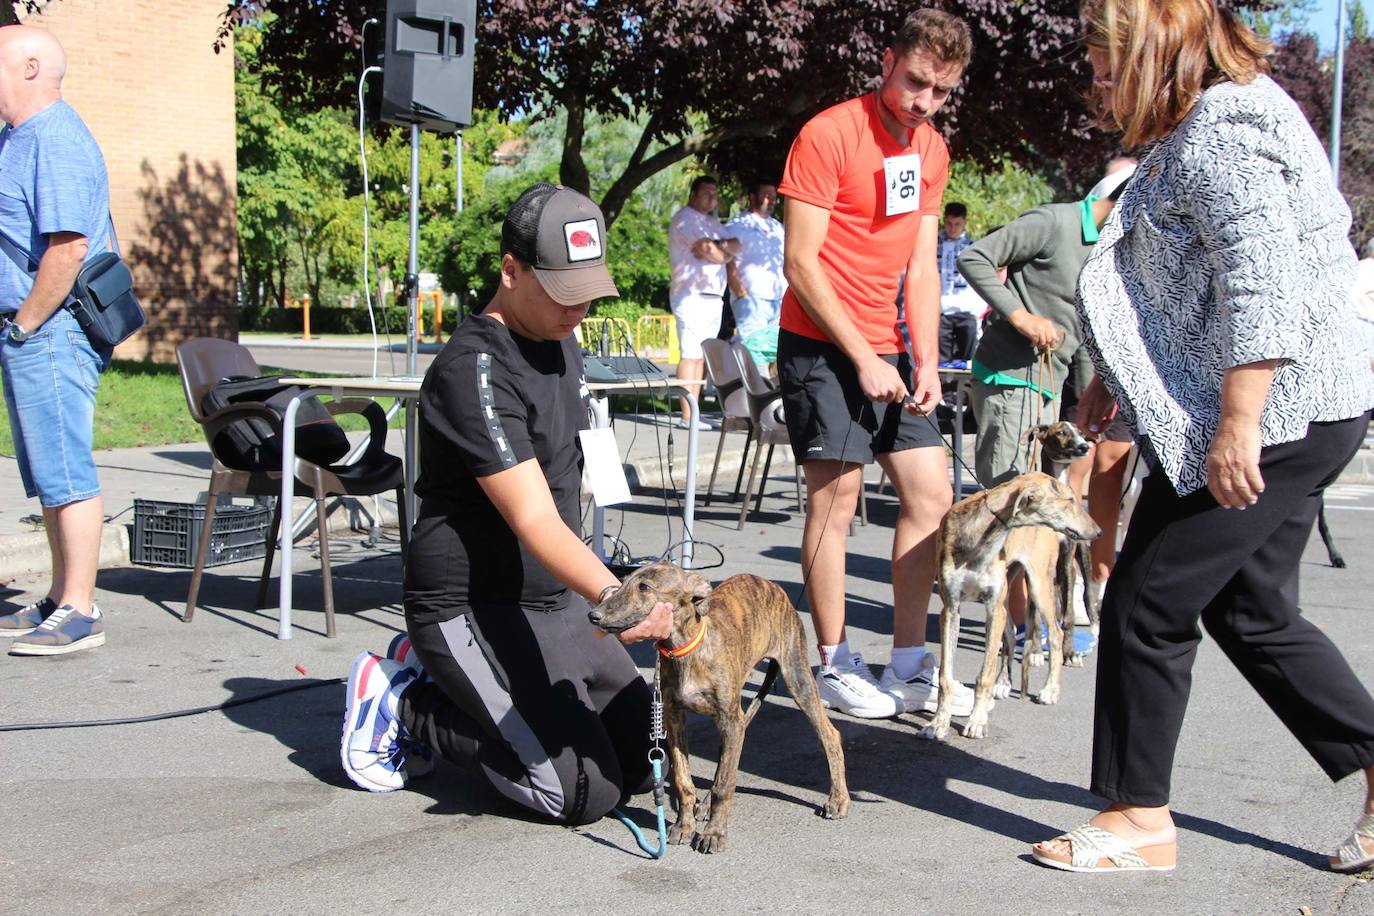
x=18 y=255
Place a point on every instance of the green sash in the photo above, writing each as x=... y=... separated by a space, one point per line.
x=1002 y=380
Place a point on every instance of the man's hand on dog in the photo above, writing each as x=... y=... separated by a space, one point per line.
x=658 y=625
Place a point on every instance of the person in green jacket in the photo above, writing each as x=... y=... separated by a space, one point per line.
x=1032 y=314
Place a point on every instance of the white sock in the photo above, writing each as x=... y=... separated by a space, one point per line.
x=907 y=661
x=836 y=655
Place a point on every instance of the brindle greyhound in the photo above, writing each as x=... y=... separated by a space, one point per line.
x=719 y=635
x=1027 y=522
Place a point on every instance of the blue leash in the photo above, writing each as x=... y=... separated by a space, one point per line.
x=656 y=756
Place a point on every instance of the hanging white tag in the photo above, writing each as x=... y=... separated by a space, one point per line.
x=902 y=178
x=604 y=472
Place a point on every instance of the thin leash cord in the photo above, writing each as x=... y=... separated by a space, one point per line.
x=1030 y=448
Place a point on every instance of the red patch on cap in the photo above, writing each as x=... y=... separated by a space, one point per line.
x=580 y=239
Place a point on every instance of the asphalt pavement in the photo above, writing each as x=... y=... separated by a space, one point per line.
x=247 y=810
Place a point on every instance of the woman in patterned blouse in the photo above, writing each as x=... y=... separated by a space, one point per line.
x=1216 y=308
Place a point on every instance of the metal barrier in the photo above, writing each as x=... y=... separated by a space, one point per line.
x=615 y=330
x=656 y=338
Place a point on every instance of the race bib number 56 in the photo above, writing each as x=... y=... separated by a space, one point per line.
x=902 y=178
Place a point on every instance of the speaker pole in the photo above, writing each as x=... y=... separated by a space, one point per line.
x=413 y=318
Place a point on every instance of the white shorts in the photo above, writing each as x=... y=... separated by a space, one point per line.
x=698 y=318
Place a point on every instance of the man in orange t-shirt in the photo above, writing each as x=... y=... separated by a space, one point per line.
x=863 y=184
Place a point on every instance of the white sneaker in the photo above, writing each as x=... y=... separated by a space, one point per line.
x=921 y=692
x=852 y=689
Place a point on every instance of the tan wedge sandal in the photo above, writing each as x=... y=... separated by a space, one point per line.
x=1092 y=849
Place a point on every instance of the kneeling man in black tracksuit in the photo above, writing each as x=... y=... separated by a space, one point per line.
x=501 y=673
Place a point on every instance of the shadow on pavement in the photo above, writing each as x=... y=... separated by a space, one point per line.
x=229 y=592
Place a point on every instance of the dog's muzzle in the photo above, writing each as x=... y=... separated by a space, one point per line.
x=599 y=618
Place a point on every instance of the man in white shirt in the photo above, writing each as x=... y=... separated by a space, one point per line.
x=756 y=279
x=698 y=252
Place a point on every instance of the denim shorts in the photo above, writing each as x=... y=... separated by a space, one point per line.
x=50 y=385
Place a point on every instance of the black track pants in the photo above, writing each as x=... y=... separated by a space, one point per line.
x=1185 y=559
x=554 y=719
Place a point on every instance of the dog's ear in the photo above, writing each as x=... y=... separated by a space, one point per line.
x=699 y=589
x=1010 y=502
x=1037 y=432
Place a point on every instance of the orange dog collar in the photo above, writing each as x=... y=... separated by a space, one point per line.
x=686 y=648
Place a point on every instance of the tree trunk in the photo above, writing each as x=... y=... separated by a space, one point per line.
x=572 y=171
x=281 y=286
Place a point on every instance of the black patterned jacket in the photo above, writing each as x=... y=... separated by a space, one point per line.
x=1228 y=247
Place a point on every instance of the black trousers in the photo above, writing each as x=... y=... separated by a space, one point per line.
x=958 y=335
x=1184 y=559
x=553 y=718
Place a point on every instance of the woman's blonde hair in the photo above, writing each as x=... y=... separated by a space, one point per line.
x=1163 y=54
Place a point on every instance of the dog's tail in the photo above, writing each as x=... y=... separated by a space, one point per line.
x=769 y=678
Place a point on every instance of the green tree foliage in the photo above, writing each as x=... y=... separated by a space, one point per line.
x=294 y=168
x=995 y=194
x=1306 y=74
x=726 y=81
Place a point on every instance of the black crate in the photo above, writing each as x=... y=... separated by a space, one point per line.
x=166 y=533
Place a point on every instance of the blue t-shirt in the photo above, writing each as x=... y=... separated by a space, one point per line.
x=52 y=179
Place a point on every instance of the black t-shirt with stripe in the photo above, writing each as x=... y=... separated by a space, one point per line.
x=491 y=400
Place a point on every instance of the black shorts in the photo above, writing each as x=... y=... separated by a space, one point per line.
x=828 y=417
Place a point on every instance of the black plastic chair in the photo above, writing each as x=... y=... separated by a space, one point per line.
x=203 y=362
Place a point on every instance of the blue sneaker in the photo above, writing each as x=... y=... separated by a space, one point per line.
x=25 y=620
x=1083 y=640
x=371 y=747
x=62 y=632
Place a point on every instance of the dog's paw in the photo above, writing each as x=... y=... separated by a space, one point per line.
x=1001 y=690
x=1035 y=659
x=681 y=833
x=937 y=730
x=977 y=724
x=1049 y=695
x=1073 y=660
x=709 y=843
x=835 y=807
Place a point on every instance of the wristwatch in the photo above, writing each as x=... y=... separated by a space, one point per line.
x=17 y=332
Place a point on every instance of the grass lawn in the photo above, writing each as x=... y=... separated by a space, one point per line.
x=141 y=403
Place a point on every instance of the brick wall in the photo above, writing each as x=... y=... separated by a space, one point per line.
x=144 y=76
